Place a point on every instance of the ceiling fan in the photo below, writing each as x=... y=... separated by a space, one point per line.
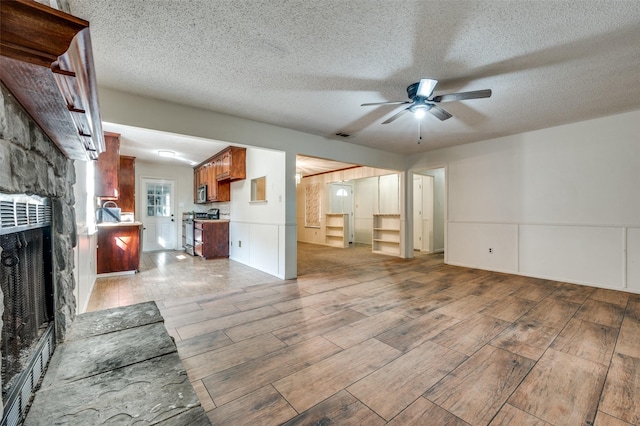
x=422 y=101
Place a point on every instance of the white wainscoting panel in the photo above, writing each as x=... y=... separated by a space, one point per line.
x=577 y=254
x=264 y=248
x=633 y=259
x=469 y=244
x=239 y=242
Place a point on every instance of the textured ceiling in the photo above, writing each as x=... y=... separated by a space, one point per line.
x=308 y=65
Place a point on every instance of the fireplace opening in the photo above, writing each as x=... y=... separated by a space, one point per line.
x=26 y=282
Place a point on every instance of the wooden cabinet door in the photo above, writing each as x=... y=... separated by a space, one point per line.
x=118 y=249
x=215 y=239
x=107 y=166
x=232 y=164
x=212 y=188
x=203 y=176
x=127 y=184
x=224 y=190
x=224 y=164
x=200 y=177
x=237 y=163
x=196 y=184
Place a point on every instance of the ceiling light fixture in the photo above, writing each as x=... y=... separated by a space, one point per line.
x=166 y=153
x=419 y=113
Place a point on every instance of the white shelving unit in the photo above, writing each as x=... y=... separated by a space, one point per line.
x=386 y=234
x=337 y=230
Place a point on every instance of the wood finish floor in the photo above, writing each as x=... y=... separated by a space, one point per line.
x=364 y=339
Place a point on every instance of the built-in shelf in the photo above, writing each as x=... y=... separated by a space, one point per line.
x=386 y=234
x=336 y=230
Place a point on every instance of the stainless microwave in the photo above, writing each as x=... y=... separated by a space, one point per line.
x=202 y=194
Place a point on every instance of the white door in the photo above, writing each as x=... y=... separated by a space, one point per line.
x=342 y=202
x=417 y=213
x=158 y=218
x=427 y=214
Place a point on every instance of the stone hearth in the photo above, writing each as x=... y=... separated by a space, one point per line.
x=117 y=366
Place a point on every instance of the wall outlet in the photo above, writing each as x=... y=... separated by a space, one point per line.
x=490 y=250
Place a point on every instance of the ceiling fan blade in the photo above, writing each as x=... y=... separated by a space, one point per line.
x=426 y=86
x=440 y=113
x=387 y=103
x=476 y=94
x=393 y=117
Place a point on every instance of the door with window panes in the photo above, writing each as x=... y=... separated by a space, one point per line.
x=158 y=218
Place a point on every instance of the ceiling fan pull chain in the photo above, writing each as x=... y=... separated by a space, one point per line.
x=419 y=131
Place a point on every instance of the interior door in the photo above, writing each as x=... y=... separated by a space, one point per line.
x=342 y=202
x=427 y=213
x=417 y=213
x=158 y=218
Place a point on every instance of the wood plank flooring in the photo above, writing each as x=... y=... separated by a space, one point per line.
x=369 y=339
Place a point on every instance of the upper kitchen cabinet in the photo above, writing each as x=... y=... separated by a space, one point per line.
x=217 y=173
x=216 y=191
x=108 y=167
x=232 y=164
x=46 y=62
x=127 y=184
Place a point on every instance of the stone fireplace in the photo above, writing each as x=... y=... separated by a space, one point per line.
x=31 y=164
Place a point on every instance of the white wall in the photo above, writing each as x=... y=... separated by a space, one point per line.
x=560 y=203
x=366 y=204
x=85 y=250
x=256 y=227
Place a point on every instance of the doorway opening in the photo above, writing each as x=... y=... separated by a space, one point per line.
x=429 y=196
x=340 y=201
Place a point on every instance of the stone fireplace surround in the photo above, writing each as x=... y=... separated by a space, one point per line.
x=30 y=163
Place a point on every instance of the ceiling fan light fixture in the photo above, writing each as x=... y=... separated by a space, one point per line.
x=419 y=110
x=421 y=100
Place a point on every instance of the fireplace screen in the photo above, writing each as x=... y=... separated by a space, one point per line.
x=26 y=284
x=27 y=309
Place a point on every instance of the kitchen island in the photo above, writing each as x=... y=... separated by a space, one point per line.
x=118 y=247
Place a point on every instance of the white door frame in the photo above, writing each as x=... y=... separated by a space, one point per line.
x=445 y=200
x=418 y=244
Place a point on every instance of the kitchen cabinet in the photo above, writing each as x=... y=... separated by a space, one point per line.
x=232 y=164
x=127 y=184
x=218 y=172
x=196 y=184
x=211 y=238
x=107 y=168
x=118 y=248
x=212 y=190
x=216 y=191
x=205 y=174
